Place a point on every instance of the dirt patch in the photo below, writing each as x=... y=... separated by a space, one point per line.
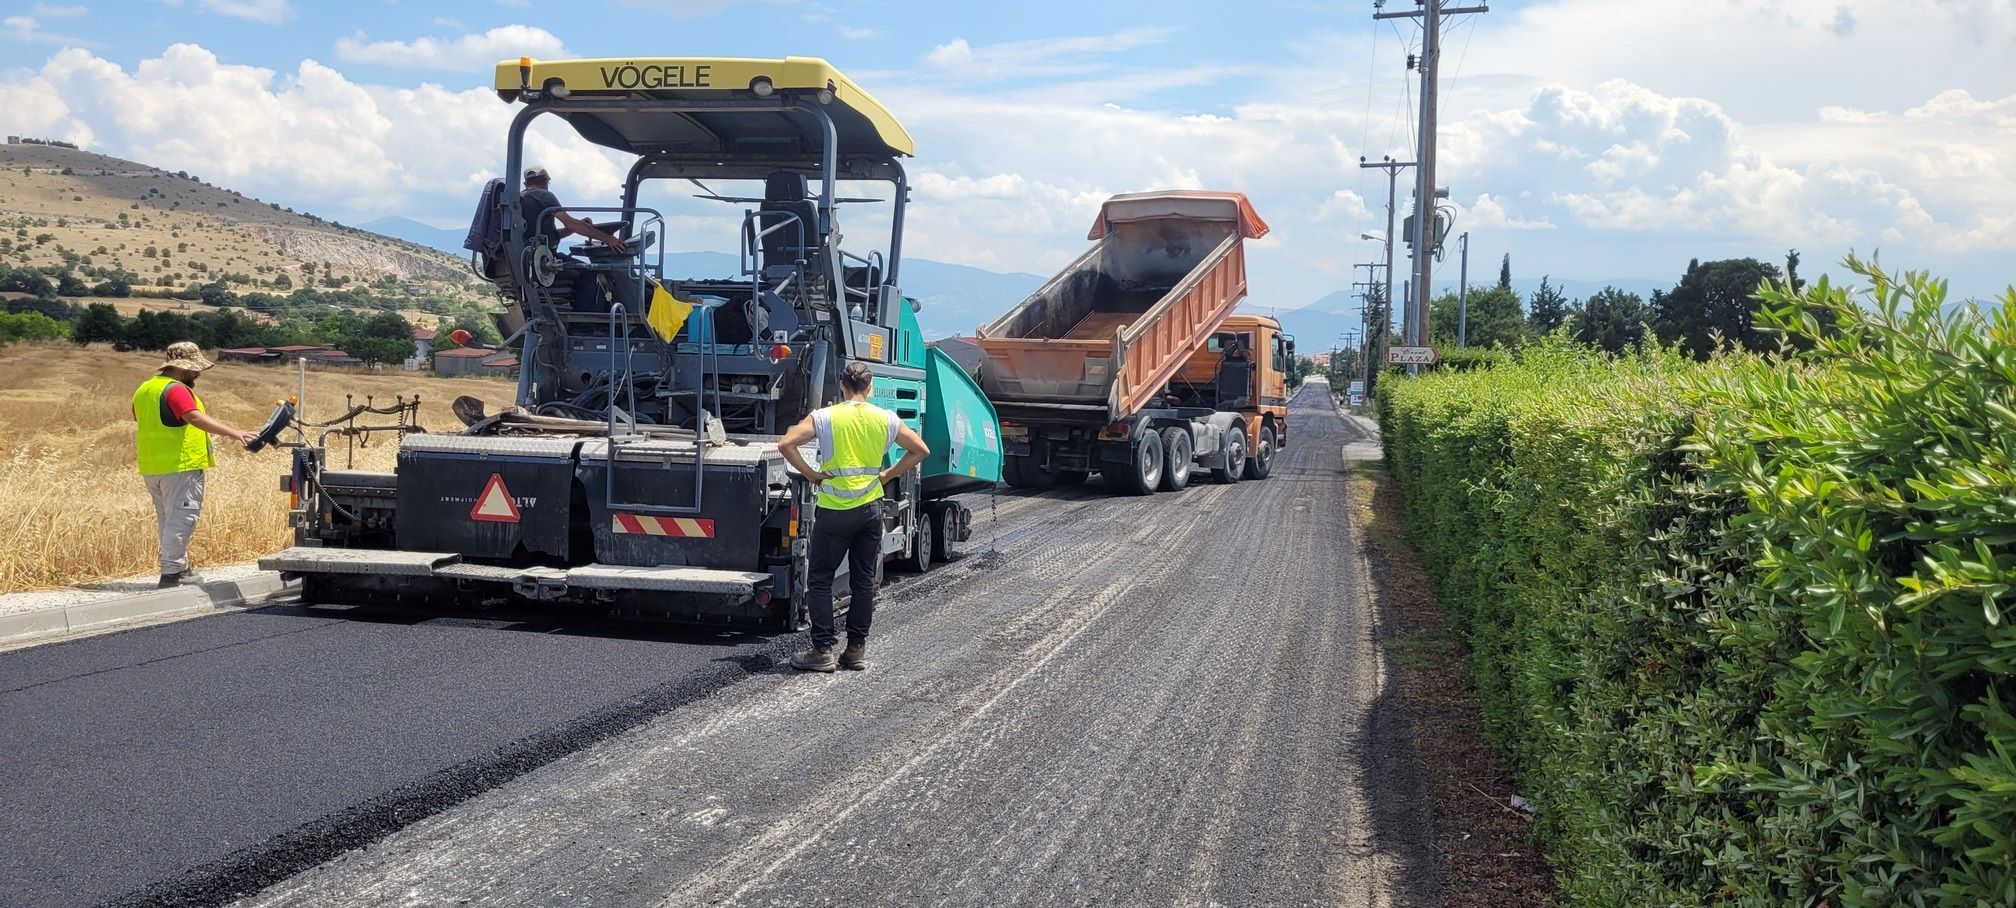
x=1487 y=846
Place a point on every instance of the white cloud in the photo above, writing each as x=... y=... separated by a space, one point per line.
x=1039 y=57
x=271 y=12
x=29 y=30
x=1488 y=213
x=855 y=34
x=468 y=53
x=59 y=11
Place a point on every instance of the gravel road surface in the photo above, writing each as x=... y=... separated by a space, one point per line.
x=1173 y=700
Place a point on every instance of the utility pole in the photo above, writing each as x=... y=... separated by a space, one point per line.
x=1392 y=168
x=1463 y=297
x=1430 y=14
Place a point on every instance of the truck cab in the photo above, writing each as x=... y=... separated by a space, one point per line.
x=1243 y=367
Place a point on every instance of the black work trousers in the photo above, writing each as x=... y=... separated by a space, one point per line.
x=854 y=534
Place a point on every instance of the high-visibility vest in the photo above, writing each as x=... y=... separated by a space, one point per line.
x=854 y=439
x=164 y=448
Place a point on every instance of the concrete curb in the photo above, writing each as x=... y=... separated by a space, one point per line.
x=112 y=612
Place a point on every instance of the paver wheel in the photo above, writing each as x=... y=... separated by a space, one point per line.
x=1068 y=478
x=1177 y=458
x=1261 y=465
x=923 y=547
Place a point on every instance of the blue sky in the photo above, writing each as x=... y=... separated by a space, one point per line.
x=1589 y=139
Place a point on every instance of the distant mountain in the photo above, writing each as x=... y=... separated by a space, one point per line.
x=446 y=239
x=1320 y=325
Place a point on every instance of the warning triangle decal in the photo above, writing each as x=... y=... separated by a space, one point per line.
x=495 y=504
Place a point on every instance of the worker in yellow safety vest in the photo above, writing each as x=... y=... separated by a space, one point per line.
x=174 y=449
x=853 y=439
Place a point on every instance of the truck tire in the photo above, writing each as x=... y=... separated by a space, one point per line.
x=1142 y=474
x=1235 y=457
x=1177 y=458
x=1262 y=464
x=924 y=544
x=1022 y=473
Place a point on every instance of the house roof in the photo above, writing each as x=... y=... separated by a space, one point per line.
x=248 y=351
x=298 y=348
x=465 y=351
x=422 y=334
x=508 y=362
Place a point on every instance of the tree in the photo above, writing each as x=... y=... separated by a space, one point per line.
x=1792 y=270
x=33 y=283
x=1505 y=273
x=15 y=326
x=68 y=284
x=1611 y=319
x=100 y=324
x=1495 y=319
x=216 y=293
x=1548 y=309
x=1714 y=299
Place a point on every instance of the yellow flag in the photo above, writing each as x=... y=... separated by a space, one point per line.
x=666 y=314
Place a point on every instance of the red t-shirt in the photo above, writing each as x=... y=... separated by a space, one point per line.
x=179 y=401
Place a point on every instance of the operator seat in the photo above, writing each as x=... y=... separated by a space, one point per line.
x=785 y=191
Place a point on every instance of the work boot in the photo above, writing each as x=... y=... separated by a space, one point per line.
x=184 y=578
x=855 y=656
x=816 y=659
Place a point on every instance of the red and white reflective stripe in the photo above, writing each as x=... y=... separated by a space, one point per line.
x=687 y=527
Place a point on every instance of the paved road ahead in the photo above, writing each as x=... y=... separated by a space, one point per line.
x=1159 y=701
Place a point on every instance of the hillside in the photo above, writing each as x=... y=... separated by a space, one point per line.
x=64 y=206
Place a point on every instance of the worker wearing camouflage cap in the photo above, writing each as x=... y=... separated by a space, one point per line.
x=174 y=449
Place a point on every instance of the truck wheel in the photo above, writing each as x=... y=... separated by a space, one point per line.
x=1177 y=458
x=1235 y=457
x=1143 y=474
x=1023 y=473
x=1262 y=464
x=924 y=547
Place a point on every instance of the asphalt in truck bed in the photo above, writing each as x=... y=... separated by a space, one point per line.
x=1167 y=700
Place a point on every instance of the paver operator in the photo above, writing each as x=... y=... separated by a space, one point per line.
x=853 y=438
x=174 y=449
x=536 y=199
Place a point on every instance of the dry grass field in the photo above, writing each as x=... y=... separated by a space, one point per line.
x=72 y=508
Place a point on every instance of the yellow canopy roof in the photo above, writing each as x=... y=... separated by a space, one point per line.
x=863 y=124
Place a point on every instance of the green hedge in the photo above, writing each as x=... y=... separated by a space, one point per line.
x=1739 y=626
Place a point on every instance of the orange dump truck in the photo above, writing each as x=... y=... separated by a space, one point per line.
x=1129 y=363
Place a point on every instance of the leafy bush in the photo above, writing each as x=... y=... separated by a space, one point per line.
x=1739 y=626
x=17 y=326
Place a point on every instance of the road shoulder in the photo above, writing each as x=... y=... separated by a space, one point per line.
x=1485 y=840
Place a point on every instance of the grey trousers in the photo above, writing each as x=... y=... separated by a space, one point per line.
x=178 y=498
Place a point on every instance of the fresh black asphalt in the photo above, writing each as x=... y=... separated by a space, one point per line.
x=160 y=764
